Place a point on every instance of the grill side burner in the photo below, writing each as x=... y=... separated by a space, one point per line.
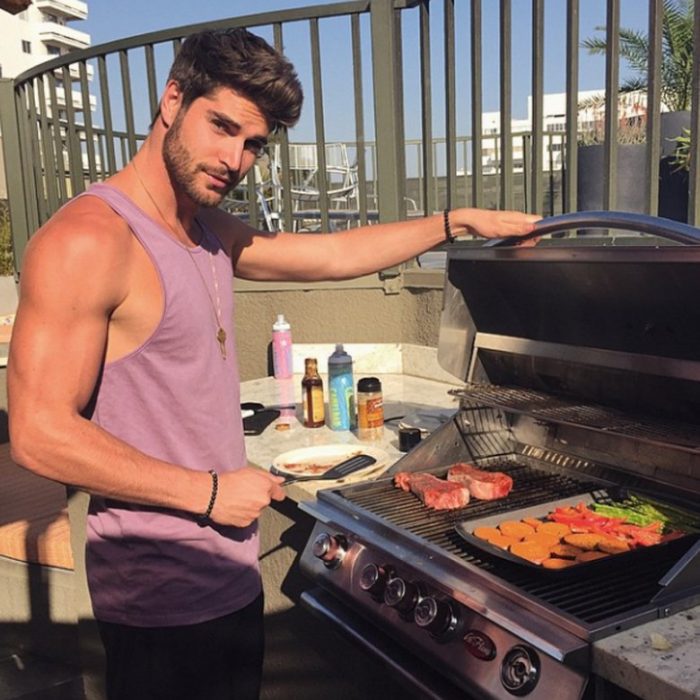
x=582 y=375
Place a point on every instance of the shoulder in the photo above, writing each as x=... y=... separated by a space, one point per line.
x=85 y=243
x=86 y=226
x=233 y=233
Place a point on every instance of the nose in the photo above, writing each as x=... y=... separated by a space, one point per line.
x=232 y=154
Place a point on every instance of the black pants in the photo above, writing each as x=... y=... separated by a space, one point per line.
x=216 y=660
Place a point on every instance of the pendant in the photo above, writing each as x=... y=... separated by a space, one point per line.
x=221 y=338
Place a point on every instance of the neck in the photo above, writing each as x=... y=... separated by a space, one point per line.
x=180 y=225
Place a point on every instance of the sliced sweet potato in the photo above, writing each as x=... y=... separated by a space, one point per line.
x=543 y=538
x=591 y=556
x=612 y=545
x=587 y=540
x=532 y=551
x=559 y=529
x=565 y=551
x=485 y=533
x=554 y=563
x=516 y=528
x=502 y=541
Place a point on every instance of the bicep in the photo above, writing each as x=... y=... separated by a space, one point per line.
x=56 y=353
x=60 y=334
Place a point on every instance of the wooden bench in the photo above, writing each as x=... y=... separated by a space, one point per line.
x=34 y=525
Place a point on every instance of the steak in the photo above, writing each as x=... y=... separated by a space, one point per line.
x=481 y=484
x=435 y=493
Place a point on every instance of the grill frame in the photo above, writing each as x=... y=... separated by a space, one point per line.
x=431 y=535
x=579 y=361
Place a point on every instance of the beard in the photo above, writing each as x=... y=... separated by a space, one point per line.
x=183 y=170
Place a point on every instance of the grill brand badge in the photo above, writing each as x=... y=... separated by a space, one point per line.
x=479 y=645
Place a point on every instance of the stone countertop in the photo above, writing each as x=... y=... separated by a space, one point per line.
x=659 y=660
x=403 y=395
x=628 y=659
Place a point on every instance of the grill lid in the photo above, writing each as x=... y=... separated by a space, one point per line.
x=605 y=324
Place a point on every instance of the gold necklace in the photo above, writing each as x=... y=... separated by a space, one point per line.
x=216 y=306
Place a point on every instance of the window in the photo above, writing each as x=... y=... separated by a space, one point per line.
x=53 y=50
x=26 y=46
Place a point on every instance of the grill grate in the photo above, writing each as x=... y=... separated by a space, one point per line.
x=611 y=588
x=548 y=408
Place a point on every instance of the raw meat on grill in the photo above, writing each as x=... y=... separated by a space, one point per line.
x=435 y=493
x=481 y=484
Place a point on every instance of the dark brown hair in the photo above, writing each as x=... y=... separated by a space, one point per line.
x=237 y=59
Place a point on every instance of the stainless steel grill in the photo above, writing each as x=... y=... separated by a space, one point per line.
x=580 y=393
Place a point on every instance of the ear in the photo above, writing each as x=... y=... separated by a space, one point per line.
x=170 y=102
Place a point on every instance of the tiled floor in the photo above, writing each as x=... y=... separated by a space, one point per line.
x=29 y=678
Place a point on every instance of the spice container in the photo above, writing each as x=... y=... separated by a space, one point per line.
x=370 y=409
x=409 y=438
x=341 y=392
x=312 y=395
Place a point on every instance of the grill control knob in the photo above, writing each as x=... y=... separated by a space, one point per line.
x=436 y=616
x=373 y=579
x=330 y=549
x=401 y=595
x=520 y=670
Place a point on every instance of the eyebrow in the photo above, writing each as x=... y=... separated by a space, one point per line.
x=233 y=124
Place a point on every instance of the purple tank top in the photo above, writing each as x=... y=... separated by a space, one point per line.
x=174 y=398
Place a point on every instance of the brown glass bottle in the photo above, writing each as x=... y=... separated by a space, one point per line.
x=312 y=395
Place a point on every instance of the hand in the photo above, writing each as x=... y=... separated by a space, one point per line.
x=492 y=223
x=244 y=494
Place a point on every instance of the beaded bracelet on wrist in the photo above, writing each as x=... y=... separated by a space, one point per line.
x=204 y=517
x=449 y=236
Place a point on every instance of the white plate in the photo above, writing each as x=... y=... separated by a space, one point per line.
x=315 y=461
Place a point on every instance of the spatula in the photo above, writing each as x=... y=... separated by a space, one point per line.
x=338 y=471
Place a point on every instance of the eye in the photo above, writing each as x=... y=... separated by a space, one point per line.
x=220 y=125
x=257 y=148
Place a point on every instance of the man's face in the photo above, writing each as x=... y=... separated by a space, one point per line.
x=212 y=144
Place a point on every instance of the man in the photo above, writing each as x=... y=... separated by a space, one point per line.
x=132 y=282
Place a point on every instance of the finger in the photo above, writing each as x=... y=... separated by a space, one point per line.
x=277 y=493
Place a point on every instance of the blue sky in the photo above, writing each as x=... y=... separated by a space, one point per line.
x=108 y=21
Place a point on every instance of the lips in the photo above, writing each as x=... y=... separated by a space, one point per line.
x=219 y=181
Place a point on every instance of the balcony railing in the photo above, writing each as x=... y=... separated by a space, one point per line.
x=384 y=78
x=70 y=9
x=60 y=35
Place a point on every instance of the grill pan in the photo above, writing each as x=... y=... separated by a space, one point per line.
x=609 y=495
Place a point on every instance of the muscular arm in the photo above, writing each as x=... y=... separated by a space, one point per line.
x=360 y=251
x=76 y=275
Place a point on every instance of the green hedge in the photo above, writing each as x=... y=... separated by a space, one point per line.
x=7 y=260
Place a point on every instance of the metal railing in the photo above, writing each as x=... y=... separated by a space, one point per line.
x=415 y=136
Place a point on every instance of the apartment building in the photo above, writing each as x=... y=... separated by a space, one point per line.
x=632 y=109
x=39 y=33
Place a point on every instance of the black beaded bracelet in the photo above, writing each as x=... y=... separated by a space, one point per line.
x=212 y=499
x=449 y=236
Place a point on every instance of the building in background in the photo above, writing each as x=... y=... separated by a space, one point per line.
x=35 y=35
x=632 y=109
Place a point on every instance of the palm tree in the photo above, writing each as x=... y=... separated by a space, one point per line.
x=677 y=54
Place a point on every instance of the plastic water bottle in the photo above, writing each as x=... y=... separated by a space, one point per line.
x=341 y=392
x=281 y=348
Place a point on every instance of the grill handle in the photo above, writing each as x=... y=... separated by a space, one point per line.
x=657 y=226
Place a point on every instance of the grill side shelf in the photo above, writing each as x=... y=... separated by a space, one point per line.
x=683 y=577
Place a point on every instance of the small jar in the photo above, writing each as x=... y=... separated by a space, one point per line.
x=370 y=409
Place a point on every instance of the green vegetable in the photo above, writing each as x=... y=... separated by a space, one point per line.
x=643 y=511
x=630 y=515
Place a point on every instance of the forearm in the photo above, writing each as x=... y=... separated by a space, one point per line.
x=361 y=251
x=77 y=452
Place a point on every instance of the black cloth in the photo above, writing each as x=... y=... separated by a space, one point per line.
x=216 y=660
